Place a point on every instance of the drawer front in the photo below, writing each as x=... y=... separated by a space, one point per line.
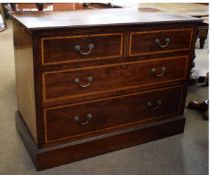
x=155 y=42
x=102 y=115
x=70 y=84
x=58 y=50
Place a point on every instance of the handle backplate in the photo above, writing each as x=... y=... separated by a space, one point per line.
x=90 y=48
x=154 y=106
x=167 y=41
x=88 y=118
x=160 y=74
x=89 y=81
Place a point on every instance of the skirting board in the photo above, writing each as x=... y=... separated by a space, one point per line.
x=44 y=158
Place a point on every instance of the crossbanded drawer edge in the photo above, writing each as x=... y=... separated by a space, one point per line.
x=113 y=127
x=43 y=63
x=159 y=52
x=45 y=100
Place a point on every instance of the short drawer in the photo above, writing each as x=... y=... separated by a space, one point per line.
x=65 y=49
x=161 y=41
x=68 y=84
x=103 y=115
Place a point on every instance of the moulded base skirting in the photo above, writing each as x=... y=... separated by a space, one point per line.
x=52 y=156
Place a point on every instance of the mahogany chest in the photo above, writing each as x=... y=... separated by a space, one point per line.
x=91 y=82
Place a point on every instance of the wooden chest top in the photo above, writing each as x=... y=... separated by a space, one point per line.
x=99 y=79
x=98 y=17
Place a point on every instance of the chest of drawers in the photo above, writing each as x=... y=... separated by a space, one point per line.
x=89 y=85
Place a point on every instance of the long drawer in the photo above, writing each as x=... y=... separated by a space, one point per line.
x=68 y=84
x=66 y=49
x=72 y=121
x=160 y=41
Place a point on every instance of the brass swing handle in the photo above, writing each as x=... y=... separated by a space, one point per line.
x=89 y=81
x=167 y=41
x=88 y=118
x=154 y=107
x=90 y=47
x=163 y=71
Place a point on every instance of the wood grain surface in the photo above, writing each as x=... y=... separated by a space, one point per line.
x=144 y=43
x=56 y=50
x=61 y=85
x=98 y=17
x=24 y=70
x=112 y=113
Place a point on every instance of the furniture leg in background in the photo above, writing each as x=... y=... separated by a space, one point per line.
x=201 y=106
x=3 y=26
x=203 y=31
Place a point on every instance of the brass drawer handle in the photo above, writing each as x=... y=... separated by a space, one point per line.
x=90 y=47
x=77 y=119
x=89 y=81
x=167 y=41
x=163 y=71
x=154 y=107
